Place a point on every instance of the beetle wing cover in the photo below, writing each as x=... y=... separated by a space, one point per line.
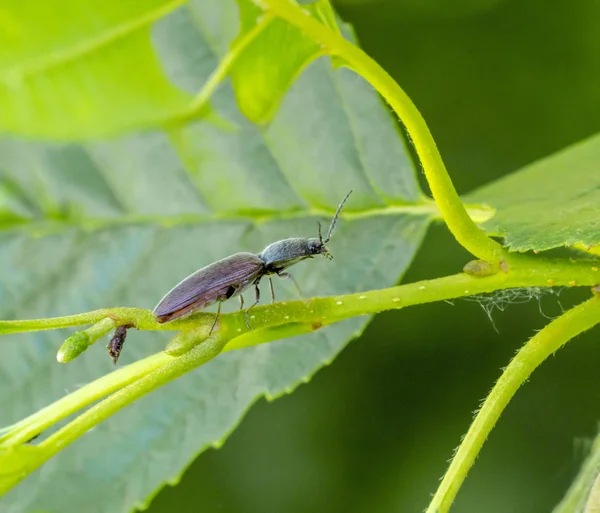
x=206 y=285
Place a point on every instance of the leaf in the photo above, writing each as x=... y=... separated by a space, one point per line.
x=119 y=222
x=272 y=59
x=550 y=203
x=77 y=70
x=93 y=71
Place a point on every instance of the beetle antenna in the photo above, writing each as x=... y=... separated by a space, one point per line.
x=335 y=218
x=320 y=234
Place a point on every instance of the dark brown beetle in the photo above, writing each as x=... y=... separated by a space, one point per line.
x=231 y=276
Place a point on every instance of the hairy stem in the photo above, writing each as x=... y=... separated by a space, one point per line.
x=466 y=232
x=551 y=338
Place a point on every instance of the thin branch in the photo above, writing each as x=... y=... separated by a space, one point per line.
x=466 y=232
x=543 y=344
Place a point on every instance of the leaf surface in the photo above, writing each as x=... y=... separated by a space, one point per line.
x=273 y=58
x=74 y=69
x=84 y=71
x=550 y=203
x=120 y=222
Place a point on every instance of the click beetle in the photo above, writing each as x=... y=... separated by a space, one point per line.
x=229 y=277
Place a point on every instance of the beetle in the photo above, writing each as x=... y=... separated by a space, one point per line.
x=231 y=276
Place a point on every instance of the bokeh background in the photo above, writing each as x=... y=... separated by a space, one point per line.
x=501 y=83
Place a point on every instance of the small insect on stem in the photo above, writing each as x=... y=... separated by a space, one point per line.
x=231 y=276
x=115 y=346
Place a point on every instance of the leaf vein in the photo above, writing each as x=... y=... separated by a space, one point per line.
x=360 y=154
x=266 y=144
x=88 y=46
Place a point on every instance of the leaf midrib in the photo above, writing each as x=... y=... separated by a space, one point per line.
x=478 y=212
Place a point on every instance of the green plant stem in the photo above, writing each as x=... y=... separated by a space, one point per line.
x=265 y=335
x=101 y=387
x=466 y=232
x=543 y=344
x=272 y=321
x=577 y=496
x=171 y=370
x=141 y=319
x=280 y=320
x=526 y=271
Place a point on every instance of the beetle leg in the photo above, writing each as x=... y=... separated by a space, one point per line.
x=216 y=318
x=290 y=277
x=272 y=291
x=241 y=302
x=257 y=291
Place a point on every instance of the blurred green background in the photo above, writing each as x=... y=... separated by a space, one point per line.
x=501 y=84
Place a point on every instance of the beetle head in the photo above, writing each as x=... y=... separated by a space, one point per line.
x=317 y=246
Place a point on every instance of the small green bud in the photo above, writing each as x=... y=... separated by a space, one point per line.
x=73 y=346
x=81 y=340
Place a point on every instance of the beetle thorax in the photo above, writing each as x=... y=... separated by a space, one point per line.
x=284 y=253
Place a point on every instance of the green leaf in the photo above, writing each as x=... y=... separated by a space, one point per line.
x=94 y=71
x=550 y=203
x=119 y=222
x=74 y=70
x=274 y=56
